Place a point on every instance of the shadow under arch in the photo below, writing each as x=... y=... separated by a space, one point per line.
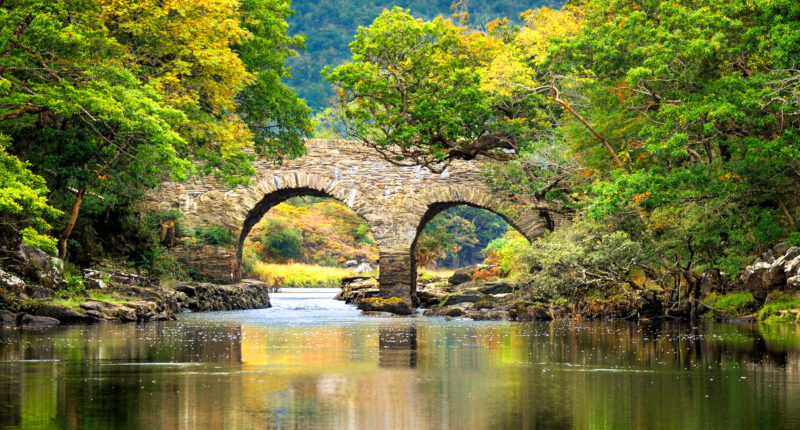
x=269 y=201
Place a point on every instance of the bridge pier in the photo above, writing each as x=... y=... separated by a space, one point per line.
x=398 y=275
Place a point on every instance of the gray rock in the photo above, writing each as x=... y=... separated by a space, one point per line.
x=455 y=299
x=363 y=268
x=793 y=282
x=61 y=313
x=8 y=318
x=35 y=320
x=95 y=284
x=499 y=287
x=37 y=292
x=780 y=248
x=10 y=282
x=392 y=304
x=112 y=311
x=350 y=263
x=462 y=275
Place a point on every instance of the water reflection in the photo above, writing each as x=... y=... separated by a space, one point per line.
x=398 y=346
x=254 y=370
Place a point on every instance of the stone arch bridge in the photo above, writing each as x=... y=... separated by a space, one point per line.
x=396 y=202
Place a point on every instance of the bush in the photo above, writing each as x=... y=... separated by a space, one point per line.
x=213 y=235
x=579 y=259
x=282 y=241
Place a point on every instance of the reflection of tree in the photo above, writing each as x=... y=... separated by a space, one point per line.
x=398 y=346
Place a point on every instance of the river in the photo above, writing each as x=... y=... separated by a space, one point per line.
x=312 y=362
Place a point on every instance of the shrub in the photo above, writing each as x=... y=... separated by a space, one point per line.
x=579 y=259
x=282 y=241
x=213 y=235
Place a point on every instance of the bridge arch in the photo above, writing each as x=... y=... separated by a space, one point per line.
x=400 y=263
x=282 y=187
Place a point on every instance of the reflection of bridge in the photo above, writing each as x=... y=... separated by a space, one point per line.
x=396 y=202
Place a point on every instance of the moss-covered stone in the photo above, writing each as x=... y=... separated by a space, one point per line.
x=733 y=305
x=393 y=305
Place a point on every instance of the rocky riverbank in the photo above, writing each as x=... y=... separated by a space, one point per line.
x=767 y=290
x=34 y=292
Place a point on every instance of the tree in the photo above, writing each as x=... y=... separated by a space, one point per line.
x=417 y=91
x=71 y=105
x=24 y=212
x=108 y=97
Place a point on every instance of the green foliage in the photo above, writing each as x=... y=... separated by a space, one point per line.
x=24 y=211
x=328 y=27
x=106 y=99
x=782 y=308
x=733 y=304
x=282 y=241
x=506 y=250
x=581 y=259
x=415 y=90
x=214 y=235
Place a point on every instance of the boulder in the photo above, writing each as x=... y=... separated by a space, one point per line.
x=793 y=282
x=7 y=318
x=753 y=279
x=499 y=287
x=10 y=282
x=393 y=305
x=467 y=297
x=363 y=268
x=111 y=311
x=462 y=275
x=37 y=292
x=446 y=311
x=62 y=313
x=486 y=315
x=350 y=263
x=780 y=249
x=41 y=267
x=522 y=312
x=24 y=319
x=429 y=297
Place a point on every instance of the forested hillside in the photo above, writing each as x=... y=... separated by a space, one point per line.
x=329 y=27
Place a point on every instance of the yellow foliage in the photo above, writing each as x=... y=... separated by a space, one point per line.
x=176 y=46
x=544 y=24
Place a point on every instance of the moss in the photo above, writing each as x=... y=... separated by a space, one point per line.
x=733 y=304
x=782 y=308
x=483 y=304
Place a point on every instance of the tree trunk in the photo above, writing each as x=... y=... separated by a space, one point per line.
x=73 y=217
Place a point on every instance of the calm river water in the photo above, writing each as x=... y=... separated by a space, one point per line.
x=312 y=362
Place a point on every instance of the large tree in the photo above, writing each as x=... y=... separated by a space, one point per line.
x=419 y=93
x=109 y=96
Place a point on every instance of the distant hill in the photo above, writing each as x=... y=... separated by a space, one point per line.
x=330 y=25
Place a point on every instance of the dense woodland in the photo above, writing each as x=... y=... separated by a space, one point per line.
x=664 y=134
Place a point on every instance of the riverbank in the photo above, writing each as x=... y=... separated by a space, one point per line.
x=33 y=291
x=767 y=291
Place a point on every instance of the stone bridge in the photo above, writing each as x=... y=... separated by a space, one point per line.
x=396 y=202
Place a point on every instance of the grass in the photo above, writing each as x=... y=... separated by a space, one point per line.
x=781 y=309
x=428 y=273
x=733 y=304
x=302 y=275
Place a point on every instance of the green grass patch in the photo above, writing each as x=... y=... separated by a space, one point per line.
x=782 y=308
x=733 y=304
x=302 y=275
x=436 y=273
